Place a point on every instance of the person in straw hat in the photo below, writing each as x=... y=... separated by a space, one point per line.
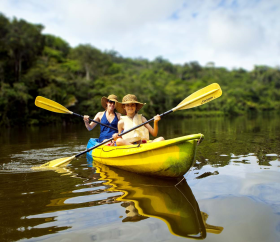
x=109 y=117
x=130 y=107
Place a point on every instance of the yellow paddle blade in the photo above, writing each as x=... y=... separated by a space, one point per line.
x=50 y=105
x=200 y=97
x=57 y=163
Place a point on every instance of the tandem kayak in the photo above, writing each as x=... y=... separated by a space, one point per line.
x=169 y=158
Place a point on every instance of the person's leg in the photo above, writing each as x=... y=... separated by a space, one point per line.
x=121 y=142
x=158 y=139
x=111 y=143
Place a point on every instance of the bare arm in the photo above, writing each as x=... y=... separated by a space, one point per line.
x=91 y=125
x=120 y=129
x=153 y=131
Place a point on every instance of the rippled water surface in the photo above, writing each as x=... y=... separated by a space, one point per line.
x=231 y=194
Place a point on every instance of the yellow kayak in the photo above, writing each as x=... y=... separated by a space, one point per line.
x=168 y=158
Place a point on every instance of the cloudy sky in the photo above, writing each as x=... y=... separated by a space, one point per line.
x=230 y=33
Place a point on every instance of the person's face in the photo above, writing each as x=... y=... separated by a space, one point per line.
x=110 y=105
x=130 y=108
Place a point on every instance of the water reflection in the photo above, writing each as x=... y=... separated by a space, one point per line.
x=172 y=201
x=235 y=180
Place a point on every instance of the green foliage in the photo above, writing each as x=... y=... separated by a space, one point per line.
x=57 y=43
x=13 y=102
x=33 y=64
x=24 y=43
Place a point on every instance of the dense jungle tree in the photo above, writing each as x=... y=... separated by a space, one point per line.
x=33 y=63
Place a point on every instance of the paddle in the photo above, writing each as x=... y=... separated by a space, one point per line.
x=53 y=106
x=198 y=98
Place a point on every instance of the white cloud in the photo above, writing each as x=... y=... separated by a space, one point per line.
x=229 y=33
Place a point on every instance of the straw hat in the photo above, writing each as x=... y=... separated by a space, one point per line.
x=111 y=97
x=129 y=98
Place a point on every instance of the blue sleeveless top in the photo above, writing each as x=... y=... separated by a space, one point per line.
x=105 y=132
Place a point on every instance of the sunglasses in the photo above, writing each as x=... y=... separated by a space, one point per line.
x=112 y=102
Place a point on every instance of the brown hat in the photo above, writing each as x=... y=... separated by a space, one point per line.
x=104 y=100
x=129 y=98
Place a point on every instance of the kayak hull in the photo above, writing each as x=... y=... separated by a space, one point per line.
x=168 y=158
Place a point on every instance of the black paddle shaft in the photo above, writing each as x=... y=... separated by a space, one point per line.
x=136 y=127
x=96 y=122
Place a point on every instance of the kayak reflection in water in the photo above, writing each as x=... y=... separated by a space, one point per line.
x=130 y=106
x=108 y=117
x=168 y=200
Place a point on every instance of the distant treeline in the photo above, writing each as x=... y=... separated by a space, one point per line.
x=32 y=64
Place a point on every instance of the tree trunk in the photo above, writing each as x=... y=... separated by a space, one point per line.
x=87 y=72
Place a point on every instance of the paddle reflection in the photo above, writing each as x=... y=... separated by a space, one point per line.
x=168 y=200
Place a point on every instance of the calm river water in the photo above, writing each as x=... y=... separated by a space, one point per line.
x=231 y=194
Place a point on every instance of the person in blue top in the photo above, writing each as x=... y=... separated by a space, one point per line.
x=109 y=117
